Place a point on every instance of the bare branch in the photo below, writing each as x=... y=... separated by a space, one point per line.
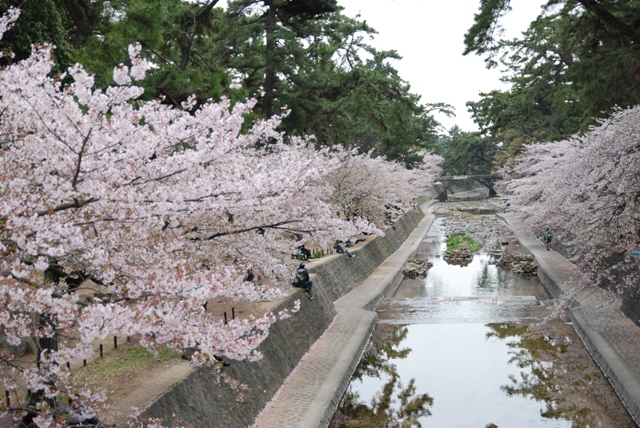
x=75 y=204
x=249 y=229
x=8 y=274
x=76 y=173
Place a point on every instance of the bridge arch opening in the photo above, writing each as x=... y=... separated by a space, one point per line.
x=448 y=181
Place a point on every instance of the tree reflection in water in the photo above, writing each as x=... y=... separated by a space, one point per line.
x=557 y=370
x=396 y=405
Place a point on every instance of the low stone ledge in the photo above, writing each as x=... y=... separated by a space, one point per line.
x=624 y=383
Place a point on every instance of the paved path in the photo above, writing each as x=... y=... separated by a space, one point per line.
x=312 y=392
x=612 y=339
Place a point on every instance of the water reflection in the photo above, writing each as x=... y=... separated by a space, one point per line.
x=481 y=278
x=466 y=375
x=557 y=371
x=391 y=403
x=471 y=359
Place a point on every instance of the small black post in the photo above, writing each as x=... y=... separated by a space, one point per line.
x=115 y=342
x=128 y=339
x=101 y=350
x=68 y=365
x=225 y=318
x=8 y=398
x=233 y=313
x=84 y=363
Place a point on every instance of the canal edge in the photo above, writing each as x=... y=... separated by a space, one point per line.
x=312 y=392
x=611 y=338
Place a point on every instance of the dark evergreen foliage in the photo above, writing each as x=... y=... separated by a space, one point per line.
x=579 y=60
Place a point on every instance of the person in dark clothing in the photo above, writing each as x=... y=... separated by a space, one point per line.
x=305 y=253
x=303 y=281
x=28 y=421
x=340 y=250
x=76 y=415
x=546 y=237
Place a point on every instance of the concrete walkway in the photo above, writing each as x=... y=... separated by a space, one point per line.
x=612 y=339
x=312 y=392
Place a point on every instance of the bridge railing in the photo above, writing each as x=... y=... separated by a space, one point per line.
x=466 y=177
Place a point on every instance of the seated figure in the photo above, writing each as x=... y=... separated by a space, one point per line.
x=302 y=280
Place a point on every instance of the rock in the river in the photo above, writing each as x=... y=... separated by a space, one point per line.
x=521 y=265
x=415 y=268
x=461 y=256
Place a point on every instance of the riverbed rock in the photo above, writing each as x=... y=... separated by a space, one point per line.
x=416 y=268
x=460 y=257
x=524 y=266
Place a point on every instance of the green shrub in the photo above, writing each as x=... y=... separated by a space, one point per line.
x=455 y=242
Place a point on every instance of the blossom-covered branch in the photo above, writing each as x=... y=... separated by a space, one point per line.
x=587 y=189
x=152 y=211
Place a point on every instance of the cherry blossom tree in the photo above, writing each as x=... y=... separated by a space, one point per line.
x=587 y=190
x=122 y=217
x=364 y=186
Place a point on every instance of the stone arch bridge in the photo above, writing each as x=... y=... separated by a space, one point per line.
x=443 y=183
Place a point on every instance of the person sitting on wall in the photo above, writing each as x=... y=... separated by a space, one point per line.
x=340 y=250
x=546 y=237
x=302 y=280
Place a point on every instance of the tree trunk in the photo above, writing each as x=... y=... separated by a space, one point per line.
x=270 y=66
x=45 y=344
x=85 y=18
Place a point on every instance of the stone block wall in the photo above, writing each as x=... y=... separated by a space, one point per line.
x=631 y=304
x=203 y=400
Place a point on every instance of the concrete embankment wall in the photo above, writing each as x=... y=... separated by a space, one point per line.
x=630 y=305
x=203 y=400
x=611 y=337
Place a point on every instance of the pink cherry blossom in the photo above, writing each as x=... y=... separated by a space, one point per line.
x=164 y=208
x=587 y=190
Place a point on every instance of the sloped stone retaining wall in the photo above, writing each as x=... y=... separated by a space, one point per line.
x=201 y=400
x=611 y=338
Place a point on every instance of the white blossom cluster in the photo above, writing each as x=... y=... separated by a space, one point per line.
x=586 y=189
x=164 y=208
x=365 y=186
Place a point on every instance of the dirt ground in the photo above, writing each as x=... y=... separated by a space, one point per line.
x=132 y=380
x=140 y=386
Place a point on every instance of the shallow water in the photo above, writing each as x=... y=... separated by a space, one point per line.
x=463 y=347
x=465 y=372
x=481 y=278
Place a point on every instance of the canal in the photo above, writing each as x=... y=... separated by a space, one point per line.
x=475 y=342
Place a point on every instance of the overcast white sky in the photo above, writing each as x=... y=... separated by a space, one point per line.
x=429 y=35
